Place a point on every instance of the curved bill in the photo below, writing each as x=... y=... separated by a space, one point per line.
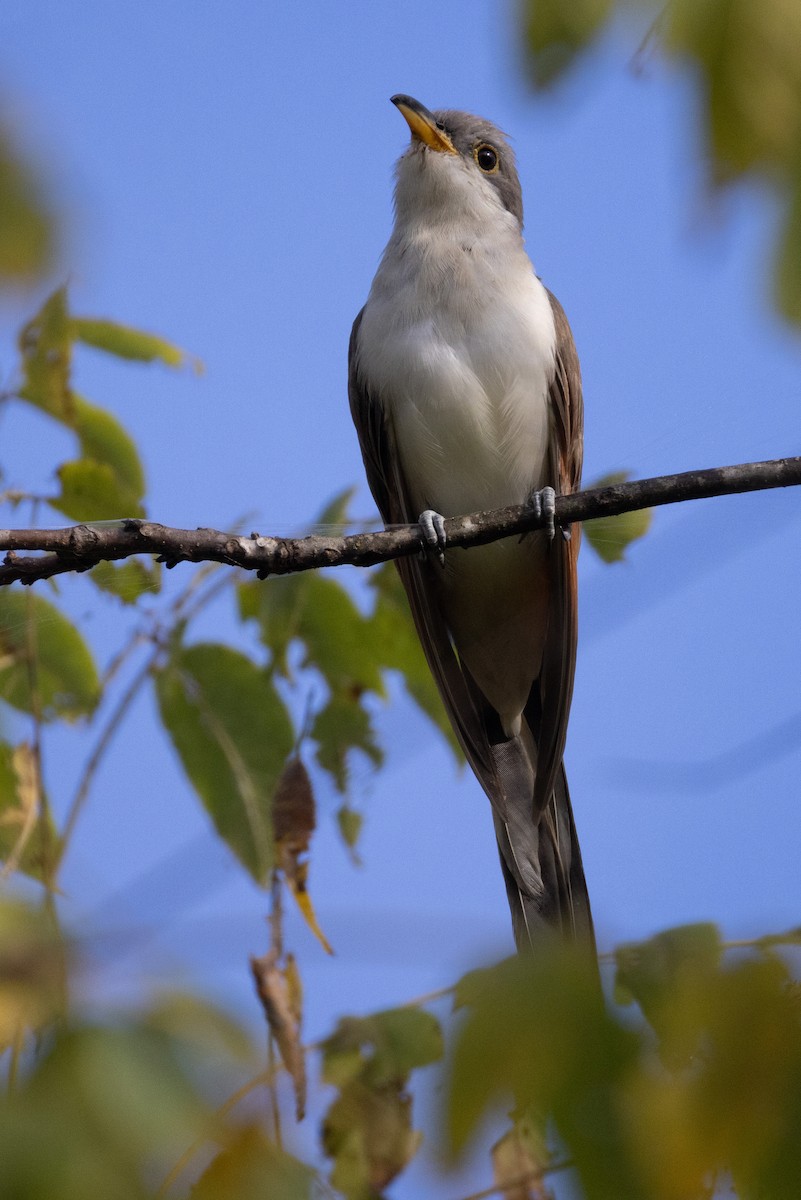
x=423 y=124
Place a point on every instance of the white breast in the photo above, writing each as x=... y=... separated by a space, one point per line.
x=457 y=342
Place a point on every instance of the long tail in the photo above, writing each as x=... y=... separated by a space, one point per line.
x=541 y=860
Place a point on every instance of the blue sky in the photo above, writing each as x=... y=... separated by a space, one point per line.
x=225 y=174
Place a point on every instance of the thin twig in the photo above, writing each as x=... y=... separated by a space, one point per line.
x=180 y=610
x=520 y=1181
x=183 y=609
x=790 y=937
x=272 y=1092
x=42 y=803
x=276 y=924
x=95 y=758
x=121 y=657
x=80 y=547
x=31 y=810
x=429 y=997
x=178 y=1168
x=637 y=61
x=266 y=1078
x=17 y=1046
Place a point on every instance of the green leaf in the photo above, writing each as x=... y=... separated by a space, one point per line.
x=104 y=439
x=382 y=1048
x=747 y=1100
x=125 y=1086
x=790 y=937
x=28 y=839
x=536 y=1031
x=368 y=1129
x=522 y=1151
x=609 y=536
x=36 y=640
x=663 y=975
x=108 y=481
x=195 y=1025
x=351 y=650
x=751 y=72
x=399 y=650
x=350 y=825
x=320 y=613
x=341 y=726
x=557 y=32
x=335 y=512
x=45 y=344
x=368 y=1133
x=647 y=971
x=233 y=735
x=788 y=256
x=129 y=581
x=250 y=1167
x=26 y=226
x=90 y=491
x=32 y=965
x=277 y=605
x=337 y=638
x=125 y=342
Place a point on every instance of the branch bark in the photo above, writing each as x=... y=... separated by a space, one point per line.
x=80 y=547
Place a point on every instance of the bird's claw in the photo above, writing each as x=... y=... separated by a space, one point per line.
x=544 y=505
x=432 y=527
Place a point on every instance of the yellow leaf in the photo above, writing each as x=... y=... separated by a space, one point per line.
x=24 y=816
x=297 y=886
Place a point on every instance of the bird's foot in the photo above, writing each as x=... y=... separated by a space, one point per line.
x=432 y=527
x=544 y=506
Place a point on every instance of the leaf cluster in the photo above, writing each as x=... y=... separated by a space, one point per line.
x=708 y=1090
x=690 y=1083
x=744 y=57
x=305 y=688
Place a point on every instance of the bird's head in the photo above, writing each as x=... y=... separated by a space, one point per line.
x=456 y=165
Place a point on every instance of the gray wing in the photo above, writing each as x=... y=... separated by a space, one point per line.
x=539 y=850
x=549 y=707
x=462 y=700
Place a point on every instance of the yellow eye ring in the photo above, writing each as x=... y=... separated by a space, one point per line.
x=487 y=158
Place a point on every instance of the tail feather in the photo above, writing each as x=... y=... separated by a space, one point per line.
x=541 y=862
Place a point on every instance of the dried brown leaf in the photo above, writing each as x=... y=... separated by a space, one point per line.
x=279 y=994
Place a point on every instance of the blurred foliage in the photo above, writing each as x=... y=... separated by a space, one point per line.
x=233 y=734
x=255 y=728
x=46 y=667
x=367 y=1130
x=699 y=1087
x=26 y=226
x=744 y=55
x=611 y=536
x=708 y=1090
x=234 y=719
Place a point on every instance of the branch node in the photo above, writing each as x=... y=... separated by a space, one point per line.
x=82 y=541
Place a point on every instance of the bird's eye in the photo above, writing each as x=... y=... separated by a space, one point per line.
x=440 y=126
x=487 y=157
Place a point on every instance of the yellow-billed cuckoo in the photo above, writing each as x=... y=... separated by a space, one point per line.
x=465 y=389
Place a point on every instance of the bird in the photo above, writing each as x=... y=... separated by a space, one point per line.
x=465 y=390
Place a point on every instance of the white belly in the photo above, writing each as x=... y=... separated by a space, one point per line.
x=462 y=361
x=465 y=387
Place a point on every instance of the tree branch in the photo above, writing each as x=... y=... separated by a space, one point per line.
x=79 y=547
